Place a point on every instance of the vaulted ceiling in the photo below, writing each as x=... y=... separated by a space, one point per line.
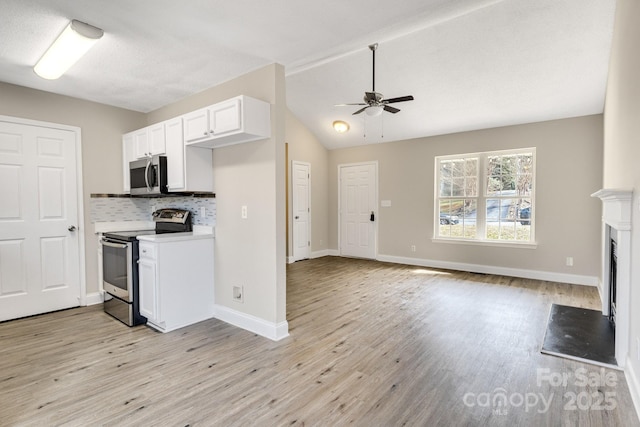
x=470 y=64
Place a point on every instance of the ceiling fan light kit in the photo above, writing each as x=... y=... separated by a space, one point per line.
x=374 y=110
x=76 y=39
x=340 y=126
x=374 y=102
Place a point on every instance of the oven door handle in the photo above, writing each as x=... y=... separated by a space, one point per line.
x=114 y=245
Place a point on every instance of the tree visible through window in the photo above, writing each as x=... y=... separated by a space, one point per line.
x=486 y=196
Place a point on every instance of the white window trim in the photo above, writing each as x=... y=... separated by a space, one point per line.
x=481 y=205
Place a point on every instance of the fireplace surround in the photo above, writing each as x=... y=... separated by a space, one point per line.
x=616 y=226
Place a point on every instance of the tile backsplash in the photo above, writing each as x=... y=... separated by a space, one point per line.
x=110 y=209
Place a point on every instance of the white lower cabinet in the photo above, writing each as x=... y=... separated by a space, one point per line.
x=147 y=289
x=176 y=281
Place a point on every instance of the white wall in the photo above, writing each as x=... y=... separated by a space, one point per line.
x=569 y=170
x=622 y=152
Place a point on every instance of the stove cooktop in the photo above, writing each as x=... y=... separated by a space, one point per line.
x=129 y=235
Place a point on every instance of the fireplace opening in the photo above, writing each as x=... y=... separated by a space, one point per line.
x=613 y=275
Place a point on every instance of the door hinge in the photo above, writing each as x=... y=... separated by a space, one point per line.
x=308 y=243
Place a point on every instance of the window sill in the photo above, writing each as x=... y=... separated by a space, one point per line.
x=500 y=244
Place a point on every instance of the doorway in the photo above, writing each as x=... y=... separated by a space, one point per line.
x=301 y=210
x=358 y=201
x=40 y=218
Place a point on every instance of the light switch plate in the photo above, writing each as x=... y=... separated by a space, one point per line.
x=385 y=203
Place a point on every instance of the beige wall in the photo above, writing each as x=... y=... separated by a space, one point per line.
x=622 y=148
x=305 y=147
x=249 y=252
x=102 y=127
x=569 y=170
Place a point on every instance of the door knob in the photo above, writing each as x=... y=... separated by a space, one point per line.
x=72 y=228
x=297 y=217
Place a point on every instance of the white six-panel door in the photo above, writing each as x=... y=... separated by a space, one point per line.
x=301 y=210
x=358 y=215
x=39 y=243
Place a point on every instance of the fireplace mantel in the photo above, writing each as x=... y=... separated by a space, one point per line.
x=616 y=207
x=616 y=215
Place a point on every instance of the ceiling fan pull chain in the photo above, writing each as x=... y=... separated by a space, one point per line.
x=364 y=127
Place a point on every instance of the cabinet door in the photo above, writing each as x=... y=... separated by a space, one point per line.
x=127 y=156
x=141 y=143
x=196 y=125
x=226 y=117
x=175 y=154
x=148 y=289
x=156 y=139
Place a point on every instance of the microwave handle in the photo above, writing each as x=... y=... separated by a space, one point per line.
x=146 y=175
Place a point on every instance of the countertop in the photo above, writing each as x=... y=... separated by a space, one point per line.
x=178 y=237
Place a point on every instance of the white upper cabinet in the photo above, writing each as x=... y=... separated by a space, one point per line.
x=196 y=125
x=149 y=141
x=237 y=120
x=226 y=117
x=175 y=154
x=188 y=168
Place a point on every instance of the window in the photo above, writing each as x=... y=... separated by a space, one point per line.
x=486 y=196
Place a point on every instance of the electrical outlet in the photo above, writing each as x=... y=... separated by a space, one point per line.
x=238 y=293
x=203 y=211
x=243 y=212
x=413 y=248
x=569 y=261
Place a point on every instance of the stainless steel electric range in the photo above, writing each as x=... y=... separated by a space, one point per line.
x=120 y=264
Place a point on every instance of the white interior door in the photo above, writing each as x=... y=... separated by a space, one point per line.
x=39 y=246
x=301 y=208
x=358 y=215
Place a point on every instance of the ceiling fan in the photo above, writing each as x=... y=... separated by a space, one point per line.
x=374 y=102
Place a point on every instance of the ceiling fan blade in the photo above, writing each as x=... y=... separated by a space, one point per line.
x=398 y=99
x=346 y=105
x=360 y=110
x=391 y=109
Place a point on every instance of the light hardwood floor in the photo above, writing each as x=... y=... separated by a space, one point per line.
x=372 y=344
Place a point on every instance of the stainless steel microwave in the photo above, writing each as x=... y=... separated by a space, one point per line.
x=148 y=176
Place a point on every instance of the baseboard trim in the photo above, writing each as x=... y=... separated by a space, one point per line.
x=319 y=254
x=271 y=330
x=94 y=298
x=488 y=269
x=333 y=252
x=634 y=385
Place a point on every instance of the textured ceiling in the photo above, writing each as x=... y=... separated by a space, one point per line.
x=470 y=64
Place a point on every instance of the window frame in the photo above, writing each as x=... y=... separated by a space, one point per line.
x=481 y=199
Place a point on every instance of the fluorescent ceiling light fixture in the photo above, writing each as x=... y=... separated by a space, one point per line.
x=374 y=110
x=340 y=126
x=74 y=42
